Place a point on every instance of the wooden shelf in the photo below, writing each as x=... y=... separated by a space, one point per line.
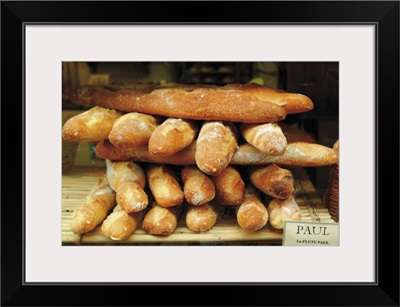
x=77 y=182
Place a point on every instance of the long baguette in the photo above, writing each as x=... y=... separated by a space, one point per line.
x=98 y=203
x=296 y=154
x=291 y=102
x=183 y=101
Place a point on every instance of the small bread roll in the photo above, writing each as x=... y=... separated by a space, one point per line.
x=197 y=186
x=216 y=143
x=119 y=224
x=272 y=180
x=251 y=214
x=267 y=138
x=98 y=203
x=164 y=185
x=173 y=135
x=132 y=129
x=203 y=218
x=92 y=125
x=161 y=220
x=229 y=187
x=281 y=210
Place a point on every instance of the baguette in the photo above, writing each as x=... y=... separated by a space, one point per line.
x=173 y=135
x=98 y=203
x=203 y=218
x=281 y=210
x=119 y=224
x=197 y=186
x=272 y=180
x=105 y=150
x=161 y=220
x=292 y=102
x=216 y=144
x=92 y=125
x=229 y=187
x=296 y=154
x=128 y=180
x=251 y=214
x=132 y=129
x=164 y=185
x=267 y=138
x=197 y=102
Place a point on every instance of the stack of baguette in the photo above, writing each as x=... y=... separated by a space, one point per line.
x=192 y=150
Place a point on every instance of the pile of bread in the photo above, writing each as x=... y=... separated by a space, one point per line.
x=192 y=150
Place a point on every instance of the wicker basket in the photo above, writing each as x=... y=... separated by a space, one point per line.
x=332 y=192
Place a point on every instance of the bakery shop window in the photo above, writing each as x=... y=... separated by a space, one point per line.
x=224 y=151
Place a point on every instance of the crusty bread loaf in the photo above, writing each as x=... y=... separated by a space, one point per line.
x=198 y=102
x=216 y=144
x=161 y=220
x=128 y=180
x=92 y=125
x=119 y=224
x=272 y=180
x=251 y=214
x=296 y=154
x=291 y=102
x=281 y=210
x=133 y=129
x=203 y=218
x=98 y=203
x=164 y=185
x=197 y=186
x=171 y=136
x=267 y=138
x=229 y=187
x=105 y=150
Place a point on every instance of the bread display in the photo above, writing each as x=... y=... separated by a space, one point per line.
x=194 y=152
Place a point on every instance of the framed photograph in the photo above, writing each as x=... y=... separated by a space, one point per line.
x=342 y=54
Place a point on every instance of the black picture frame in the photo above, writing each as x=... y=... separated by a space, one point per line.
x=383 y=14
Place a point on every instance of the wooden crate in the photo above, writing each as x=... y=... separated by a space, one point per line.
x=77 y=182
